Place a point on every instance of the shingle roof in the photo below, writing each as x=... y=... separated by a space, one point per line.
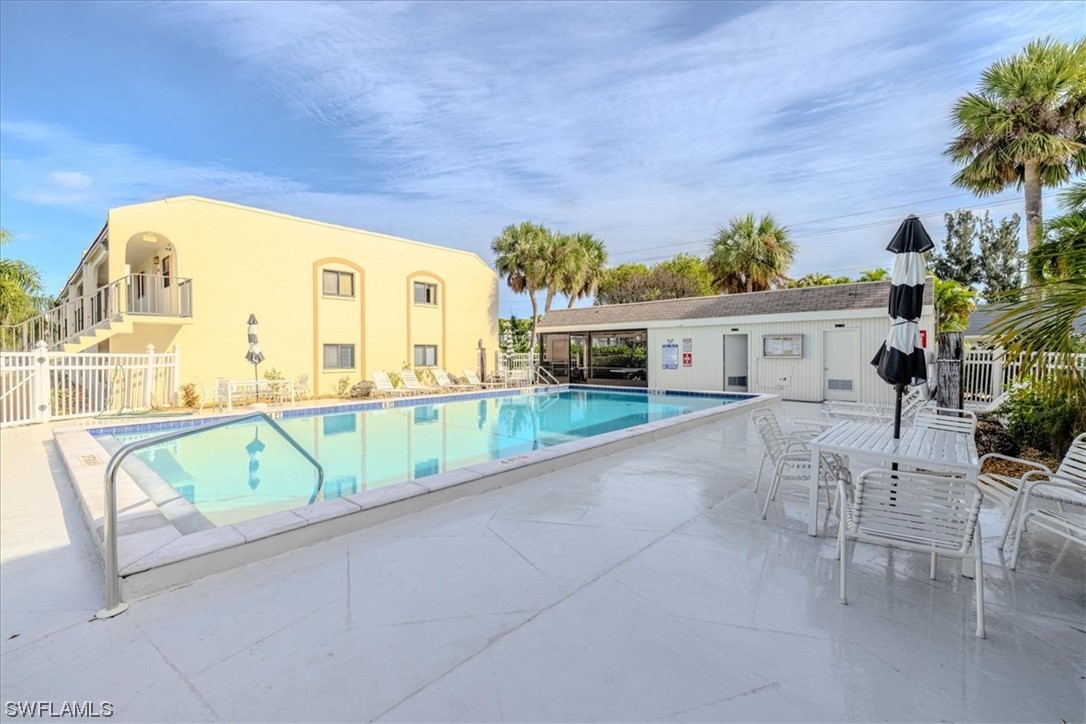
x=867 y=295
x=986 y=313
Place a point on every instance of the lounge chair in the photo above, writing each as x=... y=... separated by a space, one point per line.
x=473 y=379
x=1066 y=486
x=445 y=382
x=411 y=382
x=301 y=387
x=911 y=403
x=933 y=514
x=383 y=386
x=945 y=418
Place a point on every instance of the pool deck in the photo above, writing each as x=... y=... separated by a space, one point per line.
x=637 y=586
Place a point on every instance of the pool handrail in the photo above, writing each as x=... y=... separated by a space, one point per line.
x=114 y=604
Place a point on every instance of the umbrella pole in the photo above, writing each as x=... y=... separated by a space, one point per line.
x=898 y=389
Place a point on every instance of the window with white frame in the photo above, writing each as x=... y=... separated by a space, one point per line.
x=425 y=355
x=339 y=356
x=425 y=293
x=338 y=283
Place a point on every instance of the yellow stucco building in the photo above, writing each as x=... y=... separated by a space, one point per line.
x=186 y=272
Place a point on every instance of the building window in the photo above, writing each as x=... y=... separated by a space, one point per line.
x=338 y=284
x=425 y=293
x=425 y=355
x=339 y=356
x=165 y=271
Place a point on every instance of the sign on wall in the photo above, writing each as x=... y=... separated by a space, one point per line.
x=782 y=345
x=688 y=352
x=669 y=355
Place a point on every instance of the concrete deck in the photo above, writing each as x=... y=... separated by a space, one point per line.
x=639 y=586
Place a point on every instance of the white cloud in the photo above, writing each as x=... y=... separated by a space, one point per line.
x=71 y=179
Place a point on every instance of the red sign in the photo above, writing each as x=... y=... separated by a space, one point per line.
x=924 y=338
x=688 y=359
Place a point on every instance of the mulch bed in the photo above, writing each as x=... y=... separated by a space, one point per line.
x=992 y=437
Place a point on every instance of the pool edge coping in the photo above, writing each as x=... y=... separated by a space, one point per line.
x=153 y=556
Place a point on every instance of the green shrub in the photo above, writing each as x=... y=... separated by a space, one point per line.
x=189 y=396
x=343 y=385
x=1042 y=417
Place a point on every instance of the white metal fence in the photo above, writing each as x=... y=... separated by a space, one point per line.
x=40 y=386
x=988 y=373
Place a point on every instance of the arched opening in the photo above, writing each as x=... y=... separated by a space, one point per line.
x=152 y=284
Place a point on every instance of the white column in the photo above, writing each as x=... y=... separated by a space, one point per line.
x=148 y=376
x=41 y=383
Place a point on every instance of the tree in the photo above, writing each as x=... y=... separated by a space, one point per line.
x=694 y=270
x=957 y=261
x=682 y=276
x=818 y=279
x=21 y=289
x=520 y=255
x=873 y=275
x=954 y=303
x=582 y=274
x=1025 y=126
x=751 y=255
x=1000 y=260
x=1043 y=322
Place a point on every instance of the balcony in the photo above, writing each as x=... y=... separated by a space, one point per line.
x=81 y=322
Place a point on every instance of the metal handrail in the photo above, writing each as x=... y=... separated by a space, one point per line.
x=545 y=376
x=114 y=604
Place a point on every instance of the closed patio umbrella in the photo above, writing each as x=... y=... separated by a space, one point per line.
x=900 y=361
x=254 y=355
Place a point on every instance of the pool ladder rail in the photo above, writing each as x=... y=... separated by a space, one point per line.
x=114 y=604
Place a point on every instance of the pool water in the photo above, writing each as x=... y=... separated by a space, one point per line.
x=242 y=471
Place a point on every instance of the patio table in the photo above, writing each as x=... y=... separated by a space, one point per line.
x=939 y=450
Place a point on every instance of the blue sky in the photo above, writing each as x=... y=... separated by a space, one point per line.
x=649 y=125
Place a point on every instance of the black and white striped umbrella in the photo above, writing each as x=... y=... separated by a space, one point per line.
x=900 y=361
x=254 y=355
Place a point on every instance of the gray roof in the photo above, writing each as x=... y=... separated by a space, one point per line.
x=986 y=313
x=866 y=295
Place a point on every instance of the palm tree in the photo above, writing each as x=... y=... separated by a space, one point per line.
x=21 y=288
x=1044 y=322
x=814 y=279
x=1026 y=125
x=751 y=255
x=519 y=256
x=873 y=275
x=954 y=303
x=588 y=262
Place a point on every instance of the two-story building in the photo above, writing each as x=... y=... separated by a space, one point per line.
x=332 y=302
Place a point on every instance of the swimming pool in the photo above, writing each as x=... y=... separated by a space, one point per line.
x=239 y=472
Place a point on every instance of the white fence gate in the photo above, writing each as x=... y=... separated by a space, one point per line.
x=988 y=373
x=40 y=386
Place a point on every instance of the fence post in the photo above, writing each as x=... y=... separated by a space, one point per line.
x=176 y=382
x=997 y=374
x=148 y=376
x=41 y=386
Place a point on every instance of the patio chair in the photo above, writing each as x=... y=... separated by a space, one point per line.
x=411 y=382
x=473 y=378
x=1064 y=492
x=301 y=387
x=946 y=418
x=1009 y=492
x=791 y=459
x=931 y=514
x=445 y=382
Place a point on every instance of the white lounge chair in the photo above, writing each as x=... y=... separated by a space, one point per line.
x=1054 y=487
x=473 y=378
x=383 y=386
x=911 y=401
x=791 y=458
x=445 y=382
x=933 y=514
x=301 y=387
x=411 y=382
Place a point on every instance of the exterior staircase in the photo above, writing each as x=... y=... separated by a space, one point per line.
x=80 y=323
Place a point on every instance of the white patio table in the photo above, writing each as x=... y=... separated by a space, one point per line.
x=940 y=450
x=227 y=389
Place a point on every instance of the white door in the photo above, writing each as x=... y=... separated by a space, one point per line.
x=841 y=364
x=736 y=363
